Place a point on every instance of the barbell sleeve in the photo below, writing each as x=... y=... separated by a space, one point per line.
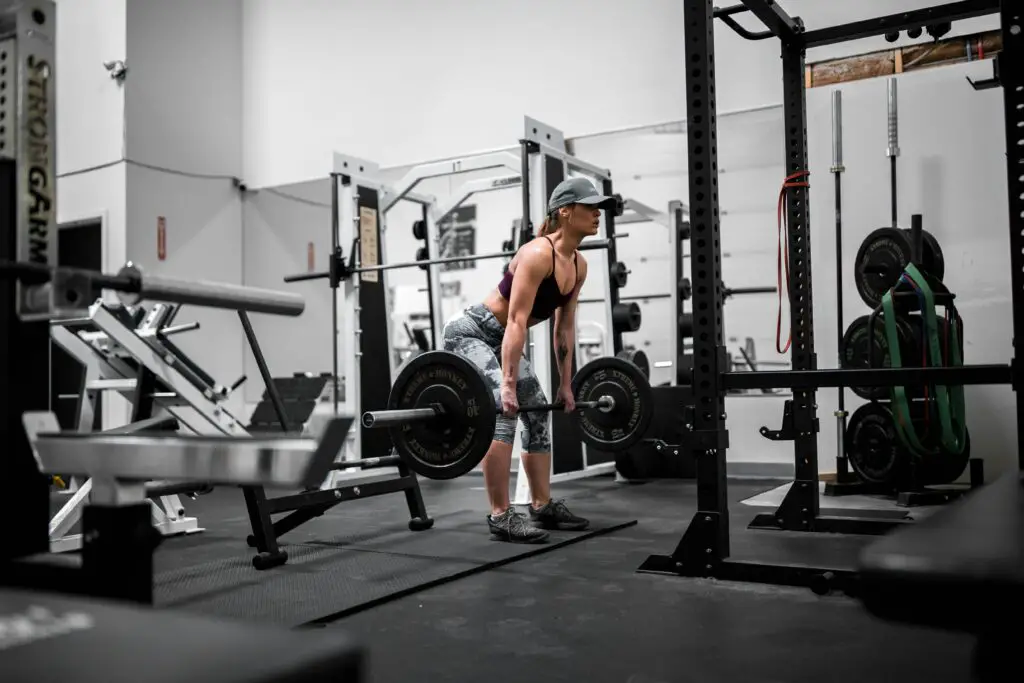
x=178 y=329
x=380 y=419
x=302 y=277
x=210 y=294
x=382 y=461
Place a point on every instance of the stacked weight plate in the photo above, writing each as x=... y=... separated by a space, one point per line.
x=875 y=451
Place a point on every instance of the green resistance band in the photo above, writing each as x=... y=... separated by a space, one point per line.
x=950 y=400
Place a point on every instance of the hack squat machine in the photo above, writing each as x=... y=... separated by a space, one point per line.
x=704 y=549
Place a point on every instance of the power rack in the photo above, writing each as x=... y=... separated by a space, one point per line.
x=704 y=549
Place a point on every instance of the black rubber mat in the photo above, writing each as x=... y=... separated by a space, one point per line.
x=328 y=579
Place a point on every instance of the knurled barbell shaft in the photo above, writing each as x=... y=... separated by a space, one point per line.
x=380 y=419
x=602 y=402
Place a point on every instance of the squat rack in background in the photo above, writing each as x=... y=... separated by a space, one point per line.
x=704 y=548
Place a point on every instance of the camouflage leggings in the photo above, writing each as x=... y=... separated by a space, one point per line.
x=476 y=334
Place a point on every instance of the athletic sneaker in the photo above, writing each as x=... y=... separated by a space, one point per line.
x=555 y=515
x=513 y=527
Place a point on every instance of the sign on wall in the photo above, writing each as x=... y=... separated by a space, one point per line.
x=458 y=237
x=161 y=238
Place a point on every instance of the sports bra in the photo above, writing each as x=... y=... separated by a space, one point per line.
x=549 y=297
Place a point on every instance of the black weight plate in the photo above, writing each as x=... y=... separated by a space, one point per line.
x=881 y=259
x=627 y=422
x=934 y=262
x=686 y=326
x=419 y=230
x=453 y=444
x=873 y=447
x=685 y=289
x=638 y=358
x=857 y=350
x=619 y=274
x=626 y=317
x=936 y=468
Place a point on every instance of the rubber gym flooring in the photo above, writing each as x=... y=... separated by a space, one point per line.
x=578 y=612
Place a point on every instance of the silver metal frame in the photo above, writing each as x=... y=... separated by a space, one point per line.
x=539 y=338
x=468 y=189
x=282 y=461
x=362 y=172
x=105 y=371
x=468 y=164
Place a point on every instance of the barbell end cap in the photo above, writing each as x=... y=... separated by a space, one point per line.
x=367 y=420
x=606 y=404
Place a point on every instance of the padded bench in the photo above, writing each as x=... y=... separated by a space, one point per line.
x=960 y=569
x=48 y=638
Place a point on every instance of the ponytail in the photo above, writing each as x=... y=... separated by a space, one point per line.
x=549 y=225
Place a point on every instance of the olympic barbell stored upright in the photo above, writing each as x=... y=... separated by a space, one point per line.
x=441 y=412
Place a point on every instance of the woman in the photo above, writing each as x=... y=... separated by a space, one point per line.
x=543 y=279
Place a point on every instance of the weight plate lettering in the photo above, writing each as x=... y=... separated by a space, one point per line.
x=455 y=442
x=638 y=358
x=882 y=257
x=857 y=351
x=624 y=424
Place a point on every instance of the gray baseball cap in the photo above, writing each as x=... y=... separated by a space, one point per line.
x=578 y=191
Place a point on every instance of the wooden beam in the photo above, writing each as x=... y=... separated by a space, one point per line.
x=905 y=59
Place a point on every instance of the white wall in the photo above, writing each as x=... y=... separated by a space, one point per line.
x=280 y=224
x=90 y=105
x=204 y=239
x=400 y=81
x=183 y=104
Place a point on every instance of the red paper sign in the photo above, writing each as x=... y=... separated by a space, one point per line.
x=310 y=257
x=161 y=238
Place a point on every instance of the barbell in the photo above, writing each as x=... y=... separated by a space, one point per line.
x=441 y=411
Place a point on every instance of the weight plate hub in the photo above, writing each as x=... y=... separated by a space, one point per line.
x=627 y=422
x=451 y=444
x=858 y=352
